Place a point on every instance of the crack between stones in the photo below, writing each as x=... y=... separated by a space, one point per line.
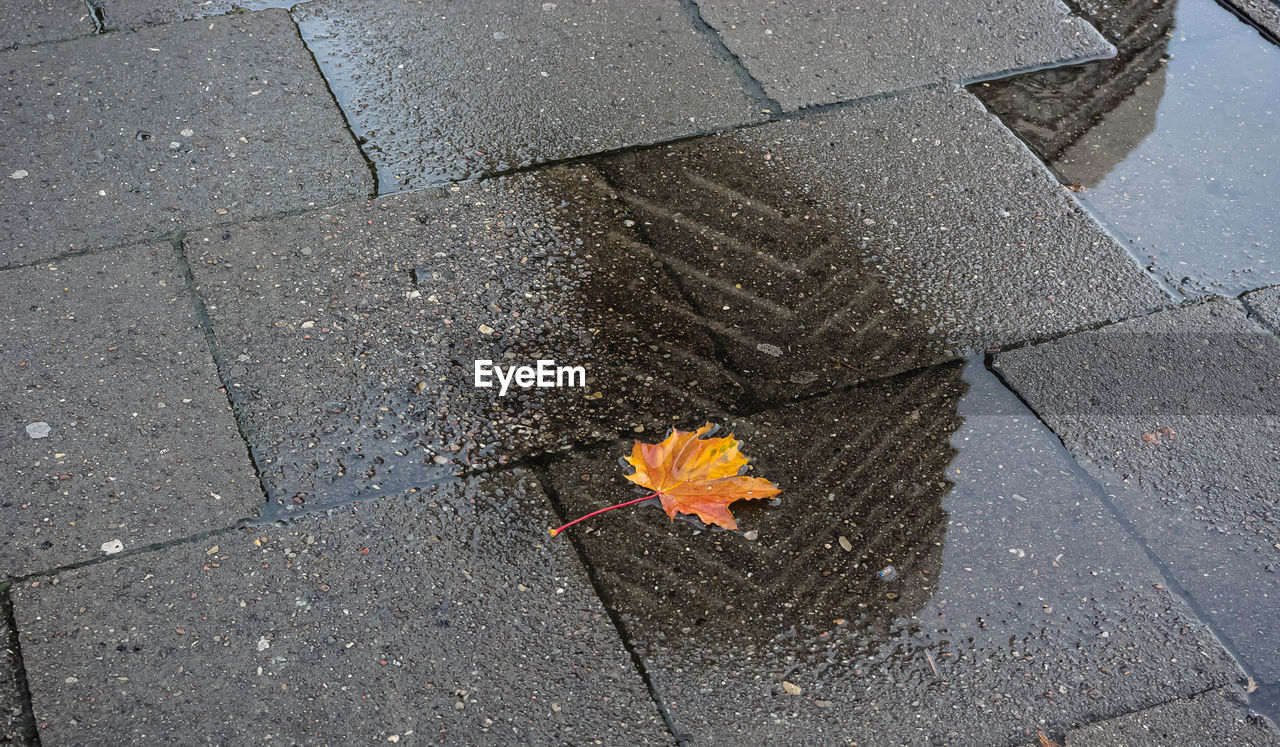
x=750 y=85
x=219 y=363
x=30 y=729
x=1161 y=567
x=542 y=470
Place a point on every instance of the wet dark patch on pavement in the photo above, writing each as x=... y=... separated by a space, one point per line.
x=443 y=614
x=1017 y=602
x=1175 y=416
x=126 y=14
x=511 y=85
x=1173 y=144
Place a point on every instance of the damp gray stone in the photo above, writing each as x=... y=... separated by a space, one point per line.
x=39 y=21
x=810 y=53
x=444 y=614
x=1175 y=415
x=573 y=79
x=978 y=644
x=1220 y=716
x=106 y=350
x=38 y=430
x=94 y=133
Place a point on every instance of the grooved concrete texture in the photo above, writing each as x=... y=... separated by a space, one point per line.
x=1176 y=415
x=804 y=54
x=112 y=427
x=444 y=615
x=133 y=134
x=935 y=571
x=509 y=84
x=12 y=728
x=1219 y=716
x=24 y=22
x=728 y=271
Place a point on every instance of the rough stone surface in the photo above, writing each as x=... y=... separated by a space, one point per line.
x=729 y=270
x=1175 y=415
x=1219 y=716
x=509 y=84
x=25 y=22
x=1265 y=13
x=446 y=615
x=1017 y=602
x=12 y=727
x=804 y=54
x=1265 y=304
x=95 y=122
x=124 y=14
x=107 y=351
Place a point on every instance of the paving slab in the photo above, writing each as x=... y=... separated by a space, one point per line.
x=443 y=615
x=935 y=570
x=1175 y=415
x=1219 y=716
x=806 y=55
x=1265 y=13
x=39 y=21
x=1265 y=305
x=730 y=271
x=126 y=14
x=1171 y=145
x=509 y=84
x=115 y=432
x=207 y=122
x=13 y=726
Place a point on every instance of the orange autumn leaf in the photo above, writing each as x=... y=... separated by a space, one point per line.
x=698 y=476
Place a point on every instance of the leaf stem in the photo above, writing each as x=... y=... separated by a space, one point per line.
x=555 y=532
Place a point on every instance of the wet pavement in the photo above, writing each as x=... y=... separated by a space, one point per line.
x=375 y=622
x=509 y=84
x=104 y=153
x=252 y=489
x=1176 y=416
x=41 y=21
x=1173 y=144
x=116 y=431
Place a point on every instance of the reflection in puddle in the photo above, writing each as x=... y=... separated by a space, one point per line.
x=1020 y=603
x=1176 y=142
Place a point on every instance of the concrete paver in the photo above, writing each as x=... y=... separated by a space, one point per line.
x=1265 y=304
x=216 y=121
x=114 y=432
x=1219 y=716
x=12 y=726
x=1175 y=415
x=443 y=615
x=728 y=270
x=508 y=84
x=1015 y=601
x=38 y=21
x=1265 y=13
x=805 y=53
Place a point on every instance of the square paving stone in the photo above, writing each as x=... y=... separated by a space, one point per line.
x=1175 y=414
x=935 y=569
x=509 y=84
x=131 y=134
x=37 y=21
x=446 y=615
x=115 y=432
x=775 y=262
x=809 y=53
x=1219 y=716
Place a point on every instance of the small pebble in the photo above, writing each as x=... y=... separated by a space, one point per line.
x=845 y=544
x=38 y=430
x=888 y=573
x=112 y=547
x=790 y=688
x=187 y=132
x=19 y=174
x=485 y=329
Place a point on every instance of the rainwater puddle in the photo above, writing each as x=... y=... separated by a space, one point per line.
x=1013 y=601
x=1174 y=144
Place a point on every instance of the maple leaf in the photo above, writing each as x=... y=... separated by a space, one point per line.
x=693 y=475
